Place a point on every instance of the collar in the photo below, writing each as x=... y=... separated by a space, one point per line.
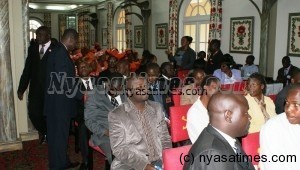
x=165 y=77
x=228 y=138
x=130 y=106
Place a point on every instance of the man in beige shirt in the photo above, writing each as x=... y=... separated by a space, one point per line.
x=137 y=129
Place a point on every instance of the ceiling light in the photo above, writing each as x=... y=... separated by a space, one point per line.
x=55 y=7
x=33 y=6
x=73 y=6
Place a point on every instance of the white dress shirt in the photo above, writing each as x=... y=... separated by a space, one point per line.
x=197 y=120
x=85 y=83
x=46 y=46
x=118 y=98
x=228 y=138
x=279 y=137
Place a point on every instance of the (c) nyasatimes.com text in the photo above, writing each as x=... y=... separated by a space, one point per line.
x=189 y=158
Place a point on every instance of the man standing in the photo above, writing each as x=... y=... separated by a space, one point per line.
x=285 y=72
x=229 y=119
x=280 y=136
x=137 y=129
x=215 y=57
x=34 y=73
x=60 y=107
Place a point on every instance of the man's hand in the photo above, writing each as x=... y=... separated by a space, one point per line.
x=20 y=95
x=149 y=167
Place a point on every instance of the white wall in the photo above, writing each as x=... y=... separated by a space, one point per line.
x=284 y=8
x=159 y=14
x=238 y=8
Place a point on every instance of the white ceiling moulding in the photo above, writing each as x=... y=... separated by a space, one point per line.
x=84 y=2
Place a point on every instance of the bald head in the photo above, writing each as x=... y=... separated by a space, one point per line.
x=229 y=113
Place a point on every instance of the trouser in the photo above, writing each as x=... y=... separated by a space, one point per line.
x=83 y=141
x=38 y=120
x=58 y=132
x=105 y=147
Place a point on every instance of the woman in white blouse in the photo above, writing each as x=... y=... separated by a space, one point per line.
x=197 y=116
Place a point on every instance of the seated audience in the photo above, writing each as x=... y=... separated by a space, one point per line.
x=249 y=67
x=86 y=83
x=111 y=68
x=284 y=73
x=137 y=129
x=197 y=116
x=185 y=56
x=200 y=62
x=226 y=74
x=123 y=67
x=191 y=92
x=167 y=83
x=99 y=103
x=280 y=136
x=147 y=59
x=280 y=97
x=153 y=74
x=228 y=119
x=261 y=107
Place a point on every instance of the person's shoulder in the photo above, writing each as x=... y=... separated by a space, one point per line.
x=154 y=105
x=274 y=122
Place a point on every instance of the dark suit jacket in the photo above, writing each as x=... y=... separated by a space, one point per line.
x=212 y=144
x=34 y=73
x=80 y=97
x=280 y=99
x=214 y=62
x=59 y=97
x=97 y=107
x=287 y=78
x=165 y=89
x=188 y=58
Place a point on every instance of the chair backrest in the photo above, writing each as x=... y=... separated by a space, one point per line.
x=250 y=145
x=273 y=97
x=182 y=74
x=239 y=86
x=171 y=157
x=176 y=97
x=178 y=117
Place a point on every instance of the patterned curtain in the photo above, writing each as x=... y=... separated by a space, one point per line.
x=173 y=8
x=215 y=25
x=128 y=28
x=47 y=20
x=109 y=24
x=83 y=31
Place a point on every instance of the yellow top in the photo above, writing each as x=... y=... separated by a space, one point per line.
x=257 y=115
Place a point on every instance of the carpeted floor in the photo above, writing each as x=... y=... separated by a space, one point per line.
x=34 y=157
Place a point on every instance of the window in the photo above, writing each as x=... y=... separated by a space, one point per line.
x=120 y=28
x=34 y=24
x=195 y=23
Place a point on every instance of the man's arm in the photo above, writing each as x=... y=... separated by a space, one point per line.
x=163 y=130
x=26 y=75
x=279 y=102
x=91 y=114
x=126 y=154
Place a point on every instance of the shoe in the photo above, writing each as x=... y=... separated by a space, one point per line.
x=72 y=165
x=44 y=139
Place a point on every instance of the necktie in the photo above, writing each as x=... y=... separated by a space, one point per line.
x=42 y=51
x=243 y=159
x=114 y=102
x=87 y=85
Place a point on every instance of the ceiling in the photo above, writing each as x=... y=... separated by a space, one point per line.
x=61 y=5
